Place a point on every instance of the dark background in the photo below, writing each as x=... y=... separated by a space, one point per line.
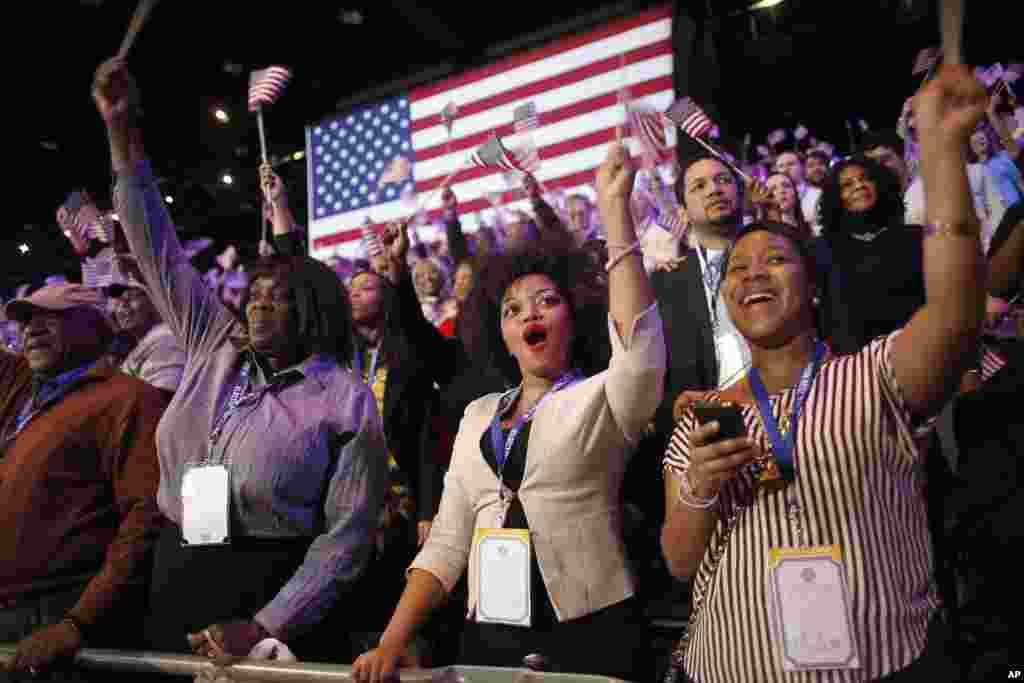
x=816 y=62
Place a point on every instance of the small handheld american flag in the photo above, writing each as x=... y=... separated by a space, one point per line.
x=266 y=85
x=448 y=114
x=525 y=117
x=649 y=127
x=493 y=154
x=687 y=115
x=371 y=240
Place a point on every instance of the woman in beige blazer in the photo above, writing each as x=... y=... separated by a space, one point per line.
x=549 y=455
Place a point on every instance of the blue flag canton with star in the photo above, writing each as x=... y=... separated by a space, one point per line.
x=351 y=152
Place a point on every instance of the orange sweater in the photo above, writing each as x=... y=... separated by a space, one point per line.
x=78 y=488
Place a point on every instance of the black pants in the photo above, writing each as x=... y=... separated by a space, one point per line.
x=193 y=587
x=610 y=642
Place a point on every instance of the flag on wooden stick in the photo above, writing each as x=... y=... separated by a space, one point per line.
x=266 y=85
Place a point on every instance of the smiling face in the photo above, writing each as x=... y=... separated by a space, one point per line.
x=783 y=190
x=537 y=326
x=133 y=312
x=711 y=193
x=857 y=191
x=271 y=316
x=767 y=290
x=427 y=278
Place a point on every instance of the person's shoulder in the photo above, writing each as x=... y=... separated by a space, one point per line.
x=122 y=388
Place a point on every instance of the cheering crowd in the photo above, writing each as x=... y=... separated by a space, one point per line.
x=768 y=379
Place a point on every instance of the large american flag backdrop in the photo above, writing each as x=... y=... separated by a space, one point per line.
x=577 y=84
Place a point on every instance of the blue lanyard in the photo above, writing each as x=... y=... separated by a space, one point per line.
x=238 y=395
x=61 y=385
x=782 y=448
x=502 y=445
x=358 y=363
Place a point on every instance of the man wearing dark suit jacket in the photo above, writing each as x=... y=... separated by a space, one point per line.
x=712 y=197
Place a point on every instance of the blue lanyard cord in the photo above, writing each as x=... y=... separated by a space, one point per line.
x=47 y=396
x=238 y=395
x=782 y=447
x=503 y=446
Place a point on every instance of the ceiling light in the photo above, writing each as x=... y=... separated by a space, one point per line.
x=765 y=4
x=298 y=156
x=221 y=115
x=227 y=179
x=169 y=199
x=23 y=248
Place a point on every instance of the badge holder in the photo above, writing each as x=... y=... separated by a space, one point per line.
x=811 y=609
x=503 y=578
x=205 y=505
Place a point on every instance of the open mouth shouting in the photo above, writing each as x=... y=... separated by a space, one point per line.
x=536 y=336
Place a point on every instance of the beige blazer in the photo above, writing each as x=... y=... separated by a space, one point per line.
x=580 y=441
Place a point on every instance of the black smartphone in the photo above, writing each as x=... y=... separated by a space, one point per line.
x=729 y=417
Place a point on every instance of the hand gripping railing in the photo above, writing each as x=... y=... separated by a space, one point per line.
x=299 y=672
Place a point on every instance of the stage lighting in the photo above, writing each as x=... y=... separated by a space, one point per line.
x=221 y=115
x=298 y=156
x=227 y=179
x=23 y=248
x=169 y=199
x=765 y=4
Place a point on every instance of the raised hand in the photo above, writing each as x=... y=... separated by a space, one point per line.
x=615 y=175
x=273 y=188
x=396 y=240
x=948 y=108
x=531 y=186
x=115 y=94
x=449 y=203
x=712 y=463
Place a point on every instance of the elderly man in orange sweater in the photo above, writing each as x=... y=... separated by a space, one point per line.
x=78 y=481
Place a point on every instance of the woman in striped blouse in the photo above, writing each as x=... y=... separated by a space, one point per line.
x=826 y=573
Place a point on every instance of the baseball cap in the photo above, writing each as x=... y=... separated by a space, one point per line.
x=56 y=297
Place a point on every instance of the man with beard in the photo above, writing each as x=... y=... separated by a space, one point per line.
x=156 y=356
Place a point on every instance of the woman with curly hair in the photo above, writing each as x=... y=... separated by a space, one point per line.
x=876 y=279
x=545 y=461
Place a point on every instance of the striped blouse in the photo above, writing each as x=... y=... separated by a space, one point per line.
x=859 y=484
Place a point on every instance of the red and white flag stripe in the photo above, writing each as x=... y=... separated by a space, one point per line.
x=574 y=83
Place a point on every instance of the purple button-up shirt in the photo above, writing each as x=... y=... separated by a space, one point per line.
x=306 y=459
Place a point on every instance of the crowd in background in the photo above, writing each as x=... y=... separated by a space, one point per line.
x=346 y=430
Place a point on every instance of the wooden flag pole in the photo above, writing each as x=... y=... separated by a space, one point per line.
x=951 y=26
x=263 y=186
x=720 y=156
x=142 y=11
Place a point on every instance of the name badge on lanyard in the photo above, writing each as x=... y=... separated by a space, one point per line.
x=206 y=487
x=810 y=606
x=205 y=504
x=503 y=576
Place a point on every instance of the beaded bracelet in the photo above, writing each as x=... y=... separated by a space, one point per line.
x=967 y=228
x=688 y=498
x=615 y=261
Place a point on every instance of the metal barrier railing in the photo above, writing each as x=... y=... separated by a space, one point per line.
x=127 y=661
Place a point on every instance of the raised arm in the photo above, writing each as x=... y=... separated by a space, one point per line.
x=1006 y=253
x=193 y=312
x=551 y=228
x=458 y=248
x=931 y=354
x=1002 y=130
x=629 y=291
